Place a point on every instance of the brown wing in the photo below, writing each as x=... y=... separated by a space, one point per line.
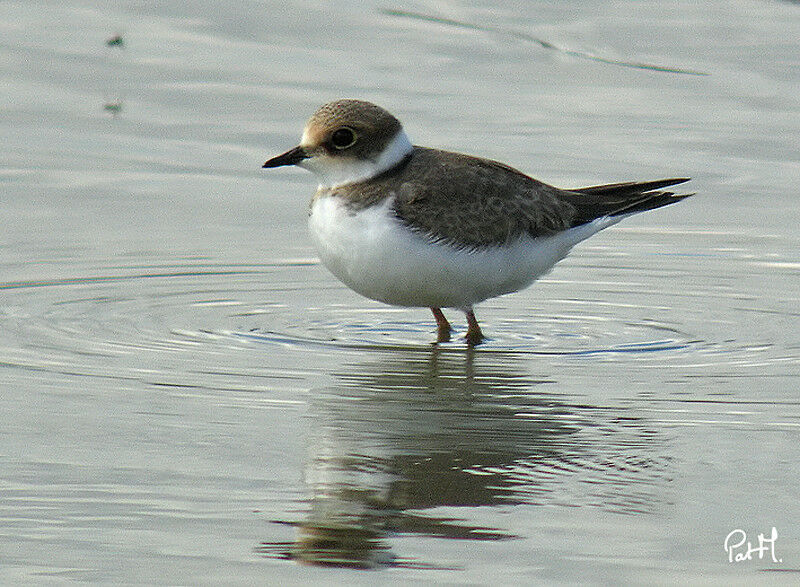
x=471 y=202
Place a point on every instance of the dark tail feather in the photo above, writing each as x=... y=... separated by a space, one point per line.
x=654 y=200
x=630 y=187
x=623 y=198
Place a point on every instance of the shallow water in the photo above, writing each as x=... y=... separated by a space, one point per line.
x=189 y=397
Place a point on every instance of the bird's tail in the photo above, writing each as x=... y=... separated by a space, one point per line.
x=617 y=199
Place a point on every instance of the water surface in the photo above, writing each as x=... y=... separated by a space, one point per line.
x=187 y=396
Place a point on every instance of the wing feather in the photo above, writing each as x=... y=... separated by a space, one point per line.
x=470 y=202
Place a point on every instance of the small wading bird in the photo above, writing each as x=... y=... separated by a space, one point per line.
x=419 y=227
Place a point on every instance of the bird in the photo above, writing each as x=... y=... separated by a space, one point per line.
x=422 y=227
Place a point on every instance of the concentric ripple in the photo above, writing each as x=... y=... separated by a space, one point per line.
x=102 y=319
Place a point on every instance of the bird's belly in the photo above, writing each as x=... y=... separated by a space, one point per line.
x=376 y=255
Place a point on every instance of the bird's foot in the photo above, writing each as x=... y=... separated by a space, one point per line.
x=443 y=328
x=474 y=335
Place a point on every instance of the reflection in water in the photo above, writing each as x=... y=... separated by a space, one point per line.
x=397 y=438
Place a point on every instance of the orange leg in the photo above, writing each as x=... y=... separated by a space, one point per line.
x=443 y=326
x=474 y=334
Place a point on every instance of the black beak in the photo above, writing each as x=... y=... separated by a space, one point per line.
x=291 y=157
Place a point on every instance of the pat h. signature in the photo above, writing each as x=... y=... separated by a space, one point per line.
x=740 y=549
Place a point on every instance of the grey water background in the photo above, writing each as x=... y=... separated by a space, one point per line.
x=187 y=396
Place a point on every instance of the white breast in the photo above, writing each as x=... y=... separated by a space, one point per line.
x=374 y=254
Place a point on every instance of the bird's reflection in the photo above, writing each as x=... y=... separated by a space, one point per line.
x=396 y=439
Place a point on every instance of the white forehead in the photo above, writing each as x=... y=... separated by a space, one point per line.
x=305 y=140
x=314 y=134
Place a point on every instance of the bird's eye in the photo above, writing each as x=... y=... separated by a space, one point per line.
x=343 y=137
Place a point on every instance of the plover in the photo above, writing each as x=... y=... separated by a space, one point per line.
x=419 y=227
